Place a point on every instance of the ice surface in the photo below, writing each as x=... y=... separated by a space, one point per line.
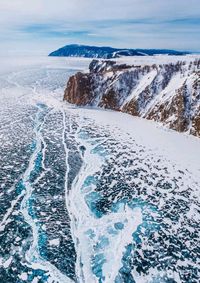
x=157 y=59
x=91 y=195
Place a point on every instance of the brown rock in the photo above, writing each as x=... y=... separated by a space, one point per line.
x=108 y=85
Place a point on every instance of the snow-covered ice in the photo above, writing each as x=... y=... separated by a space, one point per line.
x=91 y=195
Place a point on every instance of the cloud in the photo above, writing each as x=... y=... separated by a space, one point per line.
x=48 y=24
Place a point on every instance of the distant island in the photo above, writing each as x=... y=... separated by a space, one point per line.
x=75 y=50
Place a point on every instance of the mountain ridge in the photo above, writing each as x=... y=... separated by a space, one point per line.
x=106 y=52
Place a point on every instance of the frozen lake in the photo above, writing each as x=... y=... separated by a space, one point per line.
x=89 y=195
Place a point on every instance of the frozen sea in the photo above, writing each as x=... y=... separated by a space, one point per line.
x=90 y=195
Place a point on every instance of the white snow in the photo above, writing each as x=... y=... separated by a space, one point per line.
x=13 y=63
x=54 y=242
x=23 y=276
x=7 y=263
x=157 y=59
x=144 y=82
x=167 y=93
x=178 y=147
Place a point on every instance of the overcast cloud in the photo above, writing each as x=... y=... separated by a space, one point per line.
x=40 y=26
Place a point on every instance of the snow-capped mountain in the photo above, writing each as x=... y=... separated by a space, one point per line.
x=163 y=88
x=75 y=50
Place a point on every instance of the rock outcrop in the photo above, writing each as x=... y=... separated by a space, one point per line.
x=167 y=93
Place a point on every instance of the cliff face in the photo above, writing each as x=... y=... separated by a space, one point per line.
x=168 y=93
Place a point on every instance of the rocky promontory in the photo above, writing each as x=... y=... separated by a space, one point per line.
x=166 y=92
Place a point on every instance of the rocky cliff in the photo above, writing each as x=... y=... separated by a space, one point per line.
x=167 y=92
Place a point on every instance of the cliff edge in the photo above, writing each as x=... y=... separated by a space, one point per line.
x=168 y=93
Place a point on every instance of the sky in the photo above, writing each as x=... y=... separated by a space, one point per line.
x=41 y=26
